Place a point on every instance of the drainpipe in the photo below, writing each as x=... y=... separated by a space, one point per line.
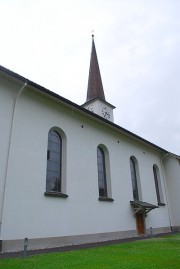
x=9 y=151
x=164 y=182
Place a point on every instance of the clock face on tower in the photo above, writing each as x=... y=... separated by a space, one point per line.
x=90 y=108
x=105 y=113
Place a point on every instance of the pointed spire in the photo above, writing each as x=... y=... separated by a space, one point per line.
x=95 y=87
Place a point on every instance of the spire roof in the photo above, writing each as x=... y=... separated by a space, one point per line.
x=95 y=87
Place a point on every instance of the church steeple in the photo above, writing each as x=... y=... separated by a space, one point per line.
x=95 y=101
x=95 y=87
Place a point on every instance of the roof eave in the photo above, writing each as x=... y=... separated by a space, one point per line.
x=78 y=108
x=98 y=98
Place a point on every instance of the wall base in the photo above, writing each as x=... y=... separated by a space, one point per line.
x=176 y=228
x=160 y=230
x=52 y=242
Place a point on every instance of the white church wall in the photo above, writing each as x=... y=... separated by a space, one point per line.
x=8 y=92
x=172 y=172
x=28 y=213
x=146 y=158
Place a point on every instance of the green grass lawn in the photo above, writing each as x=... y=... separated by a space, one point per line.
x=154 y=253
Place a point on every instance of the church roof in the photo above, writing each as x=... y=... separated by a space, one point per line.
x=95 y=86
x=10 y=74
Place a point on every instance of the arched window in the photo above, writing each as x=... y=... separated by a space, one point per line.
x=134 y=179
x=157 y=184
x=101 y=172
x=54 y=163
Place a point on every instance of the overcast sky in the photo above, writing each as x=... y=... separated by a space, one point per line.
x=138 y=48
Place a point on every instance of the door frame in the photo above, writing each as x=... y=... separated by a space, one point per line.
x=140 y=223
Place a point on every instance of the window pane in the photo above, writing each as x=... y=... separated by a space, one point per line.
x=53 y=166
x=53 y=177
x=101 y=173
x=156 y=184
x=134 y=180
x=54 y=147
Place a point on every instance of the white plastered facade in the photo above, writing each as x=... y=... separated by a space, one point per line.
x=81 y=217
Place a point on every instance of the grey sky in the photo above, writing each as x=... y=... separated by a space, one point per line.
x=138 y=48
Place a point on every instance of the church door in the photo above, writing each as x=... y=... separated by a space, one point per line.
x=140 y=223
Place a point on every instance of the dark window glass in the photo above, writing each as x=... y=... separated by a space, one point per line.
x=156 y=184
x=53 y=177
x=101 y=173
x=134 y=180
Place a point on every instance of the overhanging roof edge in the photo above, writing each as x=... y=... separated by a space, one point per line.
x=80 y=108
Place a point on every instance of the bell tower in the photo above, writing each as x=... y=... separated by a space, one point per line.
x=95 y=101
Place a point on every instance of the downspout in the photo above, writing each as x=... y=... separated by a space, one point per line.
x=8 y=153
x=165 y=185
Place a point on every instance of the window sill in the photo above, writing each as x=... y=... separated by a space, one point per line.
x=56 y=194
x=161 y=204
x=105 y=199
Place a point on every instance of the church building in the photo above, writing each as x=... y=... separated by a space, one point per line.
x=69 y=175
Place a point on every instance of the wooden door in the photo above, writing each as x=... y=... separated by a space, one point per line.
x=140 y=223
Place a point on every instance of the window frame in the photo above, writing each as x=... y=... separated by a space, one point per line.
x=135 y=179
x=56 y=149
x=158 y=187
x=104 y=164
x=101 y=173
